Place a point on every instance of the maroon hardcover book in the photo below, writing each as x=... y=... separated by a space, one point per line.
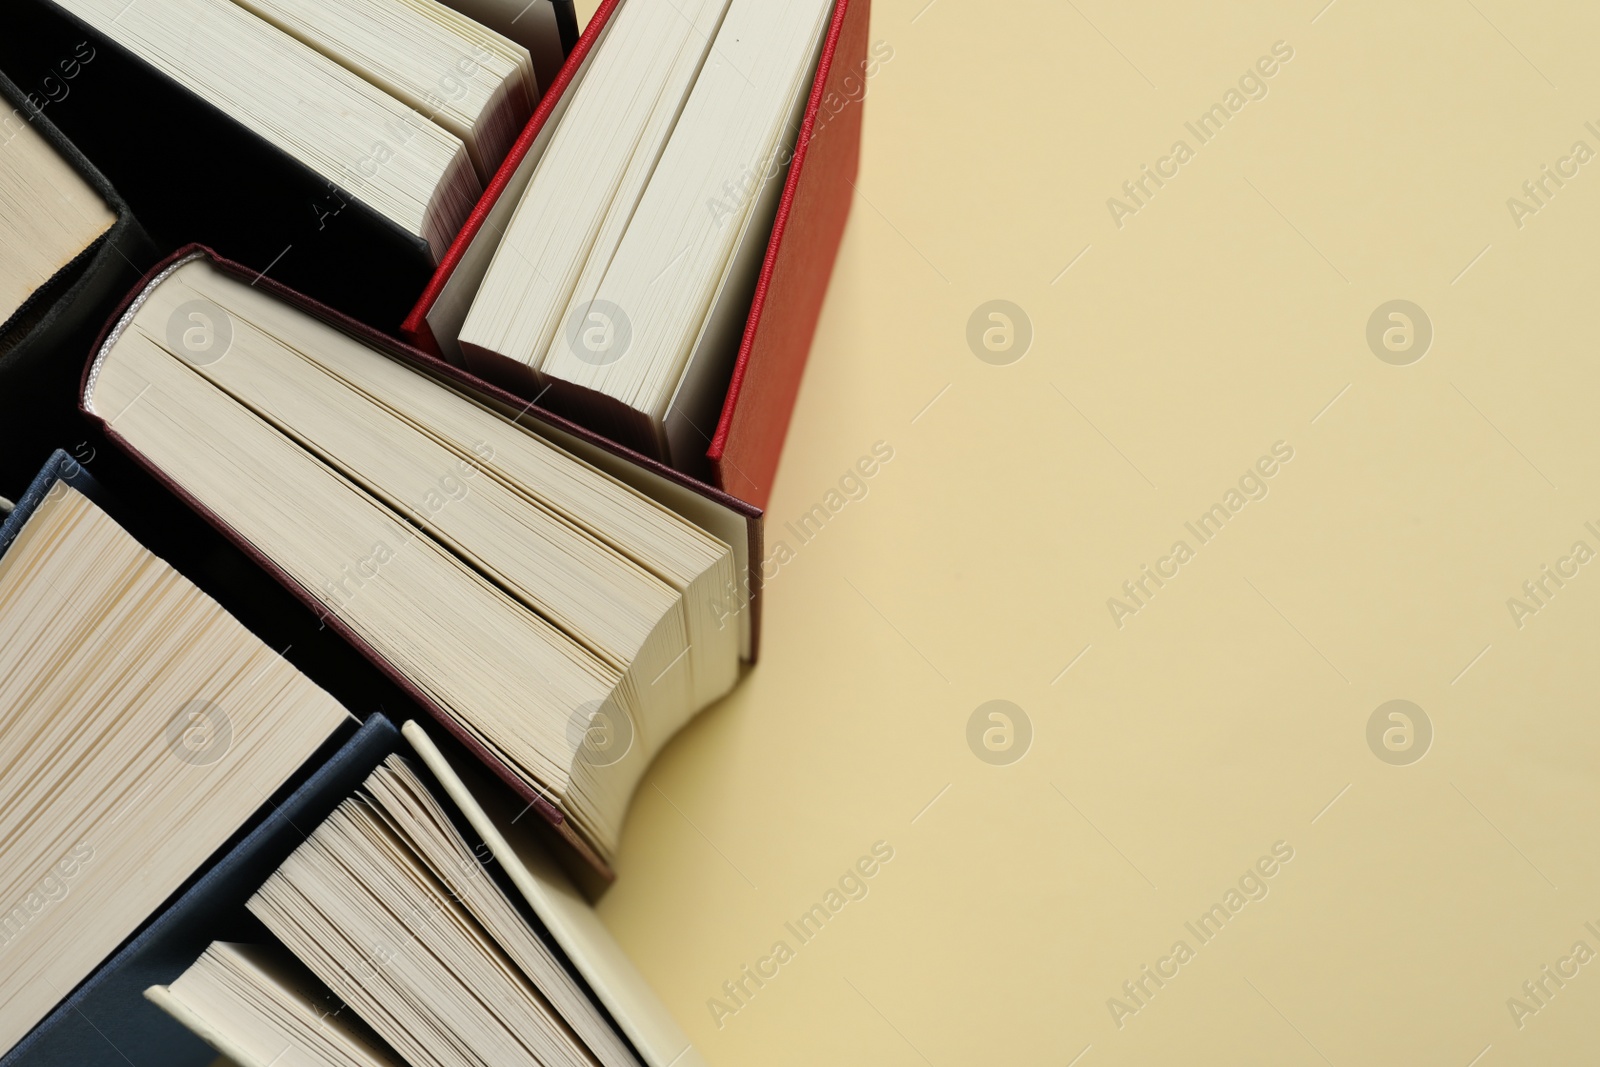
x=733 y=520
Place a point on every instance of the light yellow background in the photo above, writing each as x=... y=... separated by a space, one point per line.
x=1224 y=316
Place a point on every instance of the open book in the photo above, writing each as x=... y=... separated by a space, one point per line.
x=419 y=924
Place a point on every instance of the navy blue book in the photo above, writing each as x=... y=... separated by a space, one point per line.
x=62 y=468
x=107 y=1019
x=435 y=863
x=160 y=761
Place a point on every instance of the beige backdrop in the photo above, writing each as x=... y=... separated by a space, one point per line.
x=1176 y=341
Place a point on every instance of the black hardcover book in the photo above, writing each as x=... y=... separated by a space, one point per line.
x=191 y=173
x=43 y=342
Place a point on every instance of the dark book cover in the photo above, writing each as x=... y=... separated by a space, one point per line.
x=740 y=523
x=43 y=343
x=192 y=173
x=106 y=1020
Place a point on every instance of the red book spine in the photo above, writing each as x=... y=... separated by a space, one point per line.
x=744 y=451
x=799 y=259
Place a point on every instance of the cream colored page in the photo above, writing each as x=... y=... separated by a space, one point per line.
x=568 y=918
x=143 y=726
x=1230 y=713
x=48 y=214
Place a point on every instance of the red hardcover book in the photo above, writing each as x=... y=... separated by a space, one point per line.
x=736 y=522
x=744 y=450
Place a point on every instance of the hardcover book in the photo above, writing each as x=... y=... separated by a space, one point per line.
x=69 y=249
x=421 y=923
x=346 y=188
x=500 y=569
x=144 y=726
x=735 y=446
x=106 y=1021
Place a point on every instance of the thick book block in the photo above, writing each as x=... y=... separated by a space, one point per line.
x=105 y=1020
x=733 y=521
x=192 y=173
x=43 y=342
x=496 y=854
x=60 y=467
x=546 y=28
x=742 y=457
